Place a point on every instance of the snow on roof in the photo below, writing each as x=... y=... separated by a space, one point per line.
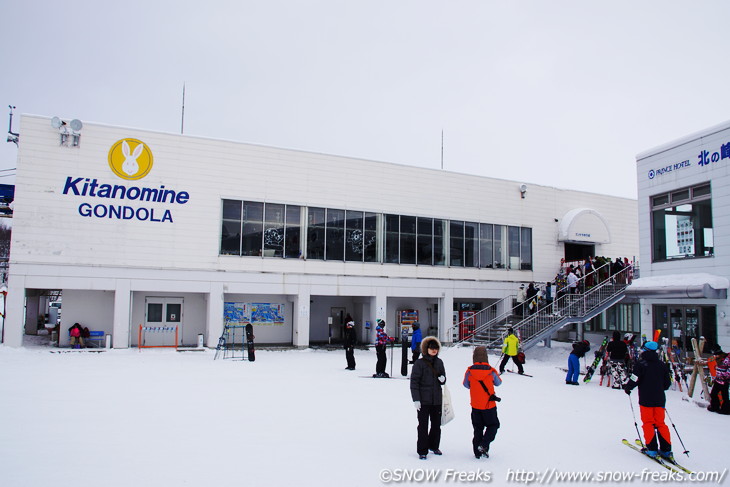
x=681 y=280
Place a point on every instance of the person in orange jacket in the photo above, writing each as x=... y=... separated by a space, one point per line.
x=481 y=379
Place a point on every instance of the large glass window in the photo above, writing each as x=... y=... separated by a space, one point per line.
x=439 y=234
x=273 y=230
x=526 y=249
x=471 y=244
x=253 y=228
x=315 y=233
x=682 y=224
x=370 y=240
x=500 y=247
x=424 y=241
x=407 y=239
x=231 y=228
x=456 y=246
x=293 y=244
x=354 y=236
x=486 y=234
x=392 y=238
x=335 y=235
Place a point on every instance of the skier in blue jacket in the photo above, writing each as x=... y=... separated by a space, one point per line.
x=416 y=339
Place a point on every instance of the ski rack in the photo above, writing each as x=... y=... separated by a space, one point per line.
x=228 y=346
x=143 y=330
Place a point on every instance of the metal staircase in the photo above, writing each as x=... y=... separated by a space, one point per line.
x=491 y=323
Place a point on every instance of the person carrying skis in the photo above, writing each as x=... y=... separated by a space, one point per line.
x=349 y=343
x=580 y=349
x=427 y=377
x=416 y=341
x=381 y=343
x=481 y=379
x=617 y=352
x=719 y=402
x=652 y=378
x=510 y=349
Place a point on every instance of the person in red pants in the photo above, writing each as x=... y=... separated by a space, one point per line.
x=651 y=376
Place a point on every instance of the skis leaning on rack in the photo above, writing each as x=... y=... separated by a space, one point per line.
x=664 y=462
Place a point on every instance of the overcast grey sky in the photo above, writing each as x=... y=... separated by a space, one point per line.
x=559 y=93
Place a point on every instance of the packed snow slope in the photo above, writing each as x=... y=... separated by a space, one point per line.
x=297 y=417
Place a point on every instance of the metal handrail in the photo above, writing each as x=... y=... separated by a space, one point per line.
x=566 y=308
x=485 y=317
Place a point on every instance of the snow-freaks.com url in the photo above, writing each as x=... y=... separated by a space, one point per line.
x=551 y=475
x=546 y=477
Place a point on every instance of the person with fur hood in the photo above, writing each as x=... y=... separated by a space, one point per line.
x=481 y=379
x=427 y=377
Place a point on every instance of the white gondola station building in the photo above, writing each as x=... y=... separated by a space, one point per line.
x=135 y=228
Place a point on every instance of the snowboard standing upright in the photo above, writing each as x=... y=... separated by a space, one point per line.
x=599 y=356
x=249 y=342
x=404 y=351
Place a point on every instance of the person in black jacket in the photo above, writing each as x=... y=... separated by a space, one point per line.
x=617 y=353
x=652 y=378
x=579 y=350
x=349 y=343
x=427 y=377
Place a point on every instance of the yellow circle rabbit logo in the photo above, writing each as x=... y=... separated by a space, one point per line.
x=130 y=159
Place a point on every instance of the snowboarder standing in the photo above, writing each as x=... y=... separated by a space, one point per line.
x=652 y=378
x=719 y=402
x=416 y=341
x=481 y=379
x=617 y=351
x=381 y=342
x=349 y=343
x=510 y=349
x=427 y=377
x=580 y=349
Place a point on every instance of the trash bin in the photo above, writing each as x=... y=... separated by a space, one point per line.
x=200 y=340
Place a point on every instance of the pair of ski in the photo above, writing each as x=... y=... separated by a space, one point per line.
x=517 y=373
x=664 y=462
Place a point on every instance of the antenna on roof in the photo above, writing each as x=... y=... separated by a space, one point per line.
x=182 y=122
x=13 y=137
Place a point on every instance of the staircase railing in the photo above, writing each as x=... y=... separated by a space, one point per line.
x=597 y=290
x=466 y=328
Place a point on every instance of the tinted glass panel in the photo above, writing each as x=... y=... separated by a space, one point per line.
x=471 y=244
x=335 y=235
x=425 y=241
x=392 y=234
x=486 y=258
x=354 y=235
x=315 y=233
x=439 y=253
x=456 y=246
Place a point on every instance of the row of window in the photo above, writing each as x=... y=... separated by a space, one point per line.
x=251 y=228
x=682 y=224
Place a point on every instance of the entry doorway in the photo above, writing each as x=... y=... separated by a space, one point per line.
x=164 y=313
x=574 y=251
x=681 y=323
x=337 y=323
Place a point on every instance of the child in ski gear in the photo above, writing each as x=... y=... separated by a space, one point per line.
x=427 y=377
x=349 y=343
x=617 y=352
x=652 y=378
x=381 y=342
x=481 y=379
x=416 y=339
x=579 y=350
x=719 y=402
x=510 y=349
x=75 y=333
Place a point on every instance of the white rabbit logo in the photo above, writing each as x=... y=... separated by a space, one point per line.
x=130 y=165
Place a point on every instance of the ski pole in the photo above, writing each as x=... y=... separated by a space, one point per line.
x=635 y=424
x=391 y=358
x=686 y=451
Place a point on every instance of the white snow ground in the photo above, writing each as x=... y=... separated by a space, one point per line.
x=165 y=418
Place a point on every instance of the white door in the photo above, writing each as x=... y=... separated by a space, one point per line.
x=163 y=314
